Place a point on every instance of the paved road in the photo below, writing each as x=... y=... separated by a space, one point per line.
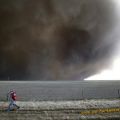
x=61 y=90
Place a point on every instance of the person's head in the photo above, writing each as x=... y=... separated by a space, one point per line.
x=12 y=91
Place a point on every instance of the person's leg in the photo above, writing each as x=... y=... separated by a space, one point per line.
x=14 y=104
x=9 y=107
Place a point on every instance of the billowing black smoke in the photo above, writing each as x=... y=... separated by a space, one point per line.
x=55 y=39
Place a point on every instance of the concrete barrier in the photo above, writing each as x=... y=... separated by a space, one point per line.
x=61 y=90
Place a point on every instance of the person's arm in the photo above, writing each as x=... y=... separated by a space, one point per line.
x=8 y=96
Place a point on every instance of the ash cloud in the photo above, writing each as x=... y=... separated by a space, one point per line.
x=51 y=40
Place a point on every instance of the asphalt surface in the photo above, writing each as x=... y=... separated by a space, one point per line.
x=61 y=90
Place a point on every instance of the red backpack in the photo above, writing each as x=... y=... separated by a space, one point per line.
x=13 y=95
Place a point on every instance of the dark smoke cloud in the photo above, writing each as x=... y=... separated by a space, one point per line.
x=55 y=39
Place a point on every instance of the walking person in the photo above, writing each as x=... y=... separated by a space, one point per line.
x=11 y=97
